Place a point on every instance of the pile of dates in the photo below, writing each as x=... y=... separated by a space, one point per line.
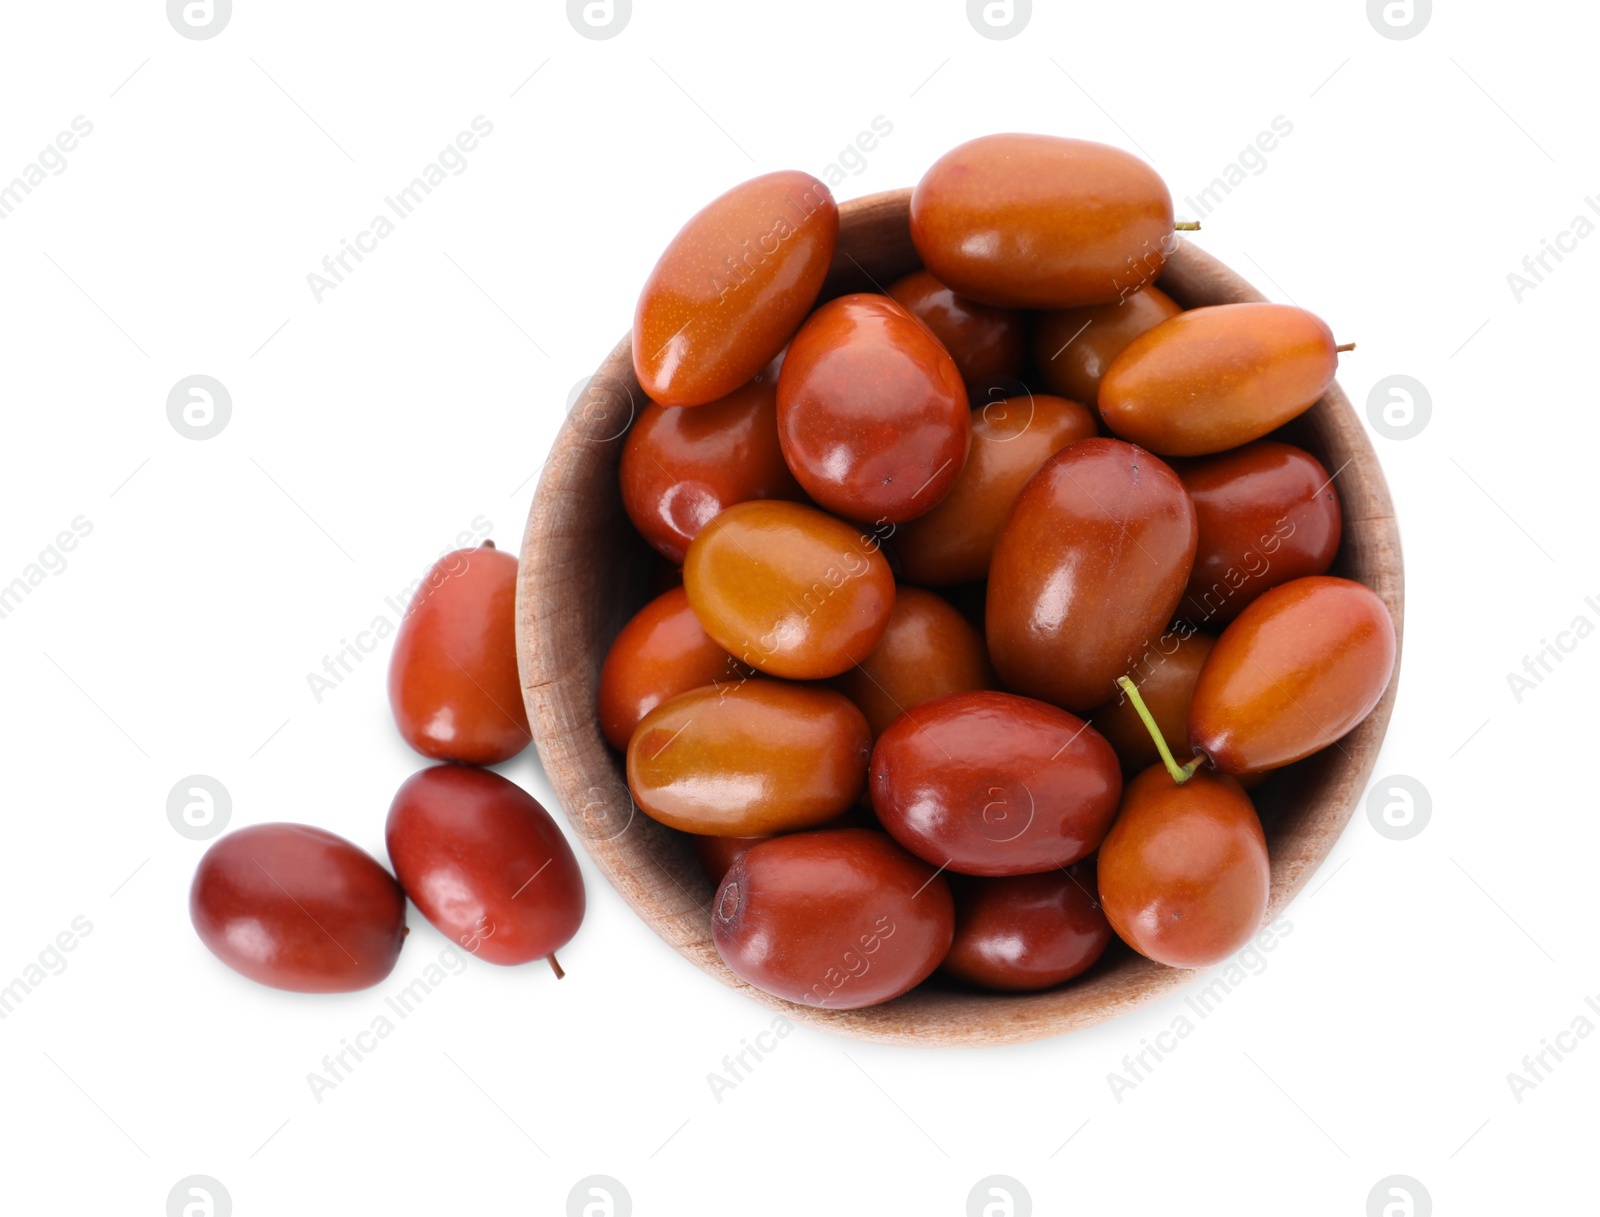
x=299 y=908
x=996 y=599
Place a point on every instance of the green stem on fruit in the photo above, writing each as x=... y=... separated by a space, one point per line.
x=555 y=966
x=1348 y=346
x=1186 y=226
x=1180 y=773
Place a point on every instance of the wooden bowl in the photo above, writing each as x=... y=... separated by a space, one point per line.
x=584 y=572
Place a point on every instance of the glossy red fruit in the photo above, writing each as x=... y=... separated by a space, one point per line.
x=732 y=287
x=1027 y=932
x=680 y=467
x=872 y=413
x=1184 y=873
x=838 y=919
x=928 y=650
x=485 y=863
x=1072 y=348
x=1295 y=672
x=1037 y=221
x=298 y=908
x=1011 y=438
x=994 y=784
x=717 y=854
x=1268 y=513
x=988 y=344
x=662 y=652
x=1166 y=683
x=1087 y=572
x=788 y=589
x=747 y=760
x=453 y=683
x=1214 y=378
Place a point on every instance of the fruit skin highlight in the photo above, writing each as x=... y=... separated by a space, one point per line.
x=1293 y=674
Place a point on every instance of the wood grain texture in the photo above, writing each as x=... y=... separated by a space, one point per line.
x=583 y=574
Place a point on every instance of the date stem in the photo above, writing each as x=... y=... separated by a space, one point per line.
x=1180 y=773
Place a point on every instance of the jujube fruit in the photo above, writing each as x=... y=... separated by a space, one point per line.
x=1166 y=681
x=680 y=468
x=1217 y=377
x=1027 y=932
x=1087 y=571
x=453 y=683
x=747 y=760
x=298 y=908
x=1268 y=513
x=732 y=287
x=1011 y=438
x=928 y=649
x=872 y=413
x=988 y=344
x=1072 y=348
x=1184 y=874
x=837 y=920
x=1038 y=221
x=662 y=651
x=789 y=590
x=485 y=863
x=990 y=783
x=1295 y=672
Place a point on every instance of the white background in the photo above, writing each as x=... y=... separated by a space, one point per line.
x=371 y=428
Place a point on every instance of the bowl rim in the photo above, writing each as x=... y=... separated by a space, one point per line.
x=561 y=643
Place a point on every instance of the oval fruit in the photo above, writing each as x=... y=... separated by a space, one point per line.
x=1037 y=221
x=680 y=468
x=789 y=590
x=1184 y=873
x=1010 y=440
x=1294 y=673
x=662 y=652
x=453 y=683
x=994 y=784
x=485 y=863
x=988 y=344
x=1073 y=347
x=1268 y=513
x=717 y=855
x=1087 y=571
x=1166 y=683
x=872 y=413
x=298 y=908
x=929 y=649
x=839 y=919
x=1027 y=932
x=1214 y=378
x=751 y=759
x=732 y=288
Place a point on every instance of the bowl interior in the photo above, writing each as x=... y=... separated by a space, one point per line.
x=584 y=572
